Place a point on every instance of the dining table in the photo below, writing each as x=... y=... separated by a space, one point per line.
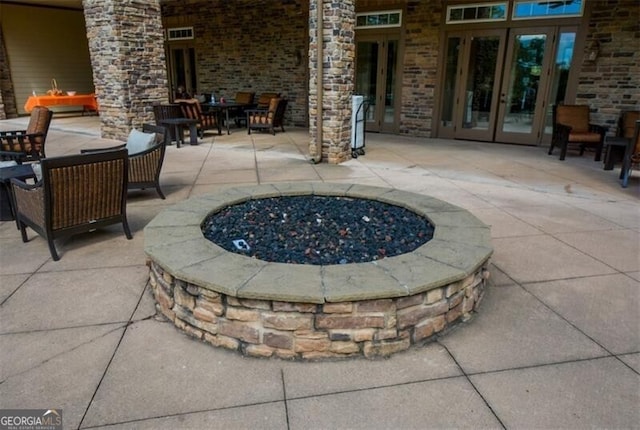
x=225 y=107
x=89 y=102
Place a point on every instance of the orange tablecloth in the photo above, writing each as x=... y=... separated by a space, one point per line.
x=87 y=101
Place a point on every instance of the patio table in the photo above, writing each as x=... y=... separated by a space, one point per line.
x=226 y=107
x=87 y=101
x=178 y=125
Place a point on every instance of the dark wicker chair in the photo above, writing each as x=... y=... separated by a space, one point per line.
x=145 y=166
x=267 y=119
x=27 y=145
x=571 y=126
x=76 y=194
x=206 y=120
x=167 y=111
x=631 y=156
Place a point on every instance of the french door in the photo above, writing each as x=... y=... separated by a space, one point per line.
x=182 y=68
x=499 y=85
x=376 y=80
x=521 y=111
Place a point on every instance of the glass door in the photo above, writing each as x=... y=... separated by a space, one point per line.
x=471 y=82
x=182 y=66
x=521 y=112
x=376 y=80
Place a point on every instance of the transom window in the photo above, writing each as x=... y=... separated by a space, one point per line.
x=528 y=9
x=482 y=12
x=388 y=18
x=180 y=33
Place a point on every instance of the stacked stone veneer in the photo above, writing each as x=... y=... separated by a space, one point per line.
x=611 y=83
x=304 y=311
x=128 y=60
x=265 y=328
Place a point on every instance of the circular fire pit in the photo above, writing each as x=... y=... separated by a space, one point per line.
x=306 y=311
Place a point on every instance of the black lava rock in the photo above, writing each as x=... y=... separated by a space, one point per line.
x=317 y=230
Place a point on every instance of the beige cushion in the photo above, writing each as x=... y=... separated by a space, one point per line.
x=139 y=141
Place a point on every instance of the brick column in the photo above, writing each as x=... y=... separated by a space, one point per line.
x=337 y=78
x=127 y=56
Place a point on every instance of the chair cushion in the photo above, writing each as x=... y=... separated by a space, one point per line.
x=575 y=116
x=244 y=97
x=139 y=141
x=584 y=137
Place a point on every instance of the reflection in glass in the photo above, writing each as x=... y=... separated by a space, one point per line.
x=389 y=104
x=560 y=75
x=479 y=85
x=448 y=95
x=524 y=79
x=366 y=67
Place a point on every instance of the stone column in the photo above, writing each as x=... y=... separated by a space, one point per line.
x=7 y=97
x=338 y=73
x=126 y=47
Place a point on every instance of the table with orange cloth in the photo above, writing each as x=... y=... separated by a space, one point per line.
x=87 y=101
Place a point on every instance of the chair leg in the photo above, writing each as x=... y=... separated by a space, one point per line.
x=598 y=156
x=125 y=226
x=52 y=249
x=23 y=232
x=160 y=191
x=563 y=151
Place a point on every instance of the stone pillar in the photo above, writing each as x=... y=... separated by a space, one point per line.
x=338 y=73
x=7 y=97
x=126 y=47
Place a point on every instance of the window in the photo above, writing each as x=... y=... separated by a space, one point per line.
x=390 y=18
x=527 y=9
x=180 y=33
x=486 y=12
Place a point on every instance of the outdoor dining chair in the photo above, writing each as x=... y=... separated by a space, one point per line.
x=27 y=145
x=77 y=194
x=571 y=126
x=267 y=119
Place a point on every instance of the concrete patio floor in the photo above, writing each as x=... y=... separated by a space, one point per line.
x=556 y=343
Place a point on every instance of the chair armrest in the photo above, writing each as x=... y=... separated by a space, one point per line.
x=18 y=157
x=24 y=186
x=110 y=148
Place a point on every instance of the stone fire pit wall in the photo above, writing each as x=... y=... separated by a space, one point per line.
x=266 y=309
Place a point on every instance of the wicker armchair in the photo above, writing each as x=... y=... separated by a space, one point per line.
x=145 y=166
x=76 y=194
x=267 y=119
x=571 y=126
x=206 y=120
x=28 y=145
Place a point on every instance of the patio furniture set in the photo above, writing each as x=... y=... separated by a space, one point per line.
x=63 y=196
x=79 y=193
x=267 y=113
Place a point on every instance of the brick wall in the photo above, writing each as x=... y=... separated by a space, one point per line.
x=244 y=45
x=420 y=66
x=611 y=83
